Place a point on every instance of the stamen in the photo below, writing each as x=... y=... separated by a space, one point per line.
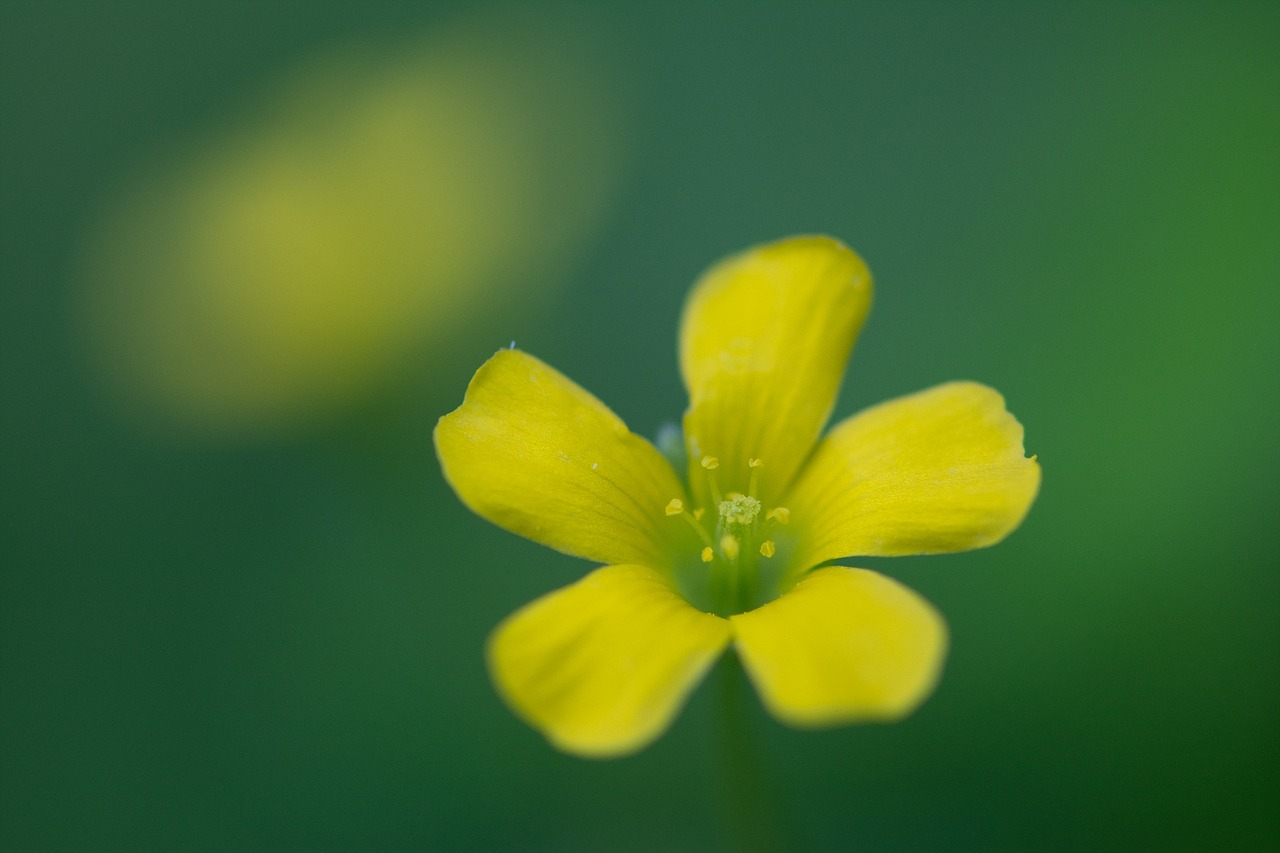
x=738 y=529
x=754 y=465
x=710 y=463
x=697 y=528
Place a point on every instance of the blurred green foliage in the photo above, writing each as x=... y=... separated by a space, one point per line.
x=273 y=643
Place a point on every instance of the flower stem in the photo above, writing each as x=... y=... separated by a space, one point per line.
x=754 y=807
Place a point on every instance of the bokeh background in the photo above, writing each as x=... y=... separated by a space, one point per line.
x=251 y=252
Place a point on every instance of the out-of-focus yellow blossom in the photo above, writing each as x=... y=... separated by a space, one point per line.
x=375 y=204
x=740 y=548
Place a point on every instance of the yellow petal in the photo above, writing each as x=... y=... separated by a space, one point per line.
x=843 y=646
x=532 y=452
x=763 y=346
x=603 y=666
x=938 y=471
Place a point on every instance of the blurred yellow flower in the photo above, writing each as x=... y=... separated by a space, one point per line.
x=742 y=553
x=375 y=204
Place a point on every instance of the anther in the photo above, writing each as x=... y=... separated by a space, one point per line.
x=698 y=513
x=767 y=548
x=754 y=463
x=710 y=463
x=707 y=554
x=780 y=514
x=729 y=546
x=675 y=507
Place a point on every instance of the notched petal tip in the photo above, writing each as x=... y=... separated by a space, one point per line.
x=1023 y=472
x=478 y=379
x=537 y=455
x=939 y=471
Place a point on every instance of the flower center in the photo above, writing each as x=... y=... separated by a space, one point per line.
x=733 y=571
x=739 y=512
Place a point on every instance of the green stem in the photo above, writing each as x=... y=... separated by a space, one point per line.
x=755 y=813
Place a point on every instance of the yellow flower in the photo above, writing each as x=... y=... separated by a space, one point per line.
x=379 y=201
x=738 y=549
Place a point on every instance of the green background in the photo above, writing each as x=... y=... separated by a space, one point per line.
x=275 y=642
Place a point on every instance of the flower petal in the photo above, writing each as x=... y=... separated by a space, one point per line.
x=763 y=346
x=601 y=667
x=844 y=645
x=534 y=453
x=938 y=471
